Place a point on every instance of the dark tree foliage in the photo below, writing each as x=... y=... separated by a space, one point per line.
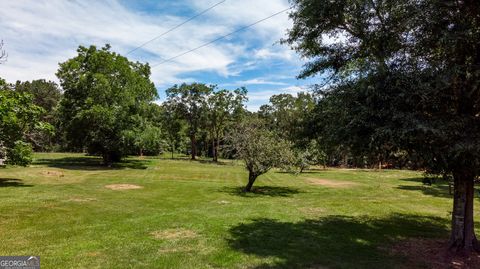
x=287 y=115
x=190 y=102
x=224 y=107
x=173 y=127
x=404 y=76
x=46 y=94
x=105 y=95
x=18 y=117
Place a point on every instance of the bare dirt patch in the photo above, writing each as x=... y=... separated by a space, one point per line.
x=52 y=173
x=331 y=183
x=223 y=202
x=174 y=234
x=312 y=211
x=123 y=187
x=433 y=253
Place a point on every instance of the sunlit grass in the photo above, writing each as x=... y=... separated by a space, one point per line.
x=192 y=214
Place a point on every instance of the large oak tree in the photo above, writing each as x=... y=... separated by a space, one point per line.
x=416 y=67
x=104 y=96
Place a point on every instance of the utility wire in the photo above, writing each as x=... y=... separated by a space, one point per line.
x=175 y=27
x=220 y=38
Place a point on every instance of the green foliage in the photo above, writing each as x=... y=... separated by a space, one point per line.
x=173 y=127
x=19 y=117
x=20 y=154
x=190 y=102
x=46 y=94
x=259 y=148
x=146 y=140
x=288 y=116
x=105 y=96
x=406 y=75
x=224 y=108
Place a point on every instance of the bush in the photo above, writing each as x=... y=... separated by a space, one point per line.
x=20 y=154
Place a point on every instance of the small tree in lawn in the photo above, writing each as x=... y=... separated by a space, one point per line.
x=259 y=148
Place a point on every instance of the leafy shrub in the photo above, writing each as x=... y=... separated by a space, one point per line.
x=20 y=154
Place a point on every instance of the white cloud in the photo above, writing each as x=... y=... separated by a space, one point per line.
x=258 y=98
x=40 y=34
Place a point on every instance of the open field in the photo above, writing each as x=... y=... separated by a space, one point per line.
x=191 y=214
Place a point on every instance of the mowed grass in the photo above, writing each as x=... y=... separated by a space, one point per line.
x=192 y=214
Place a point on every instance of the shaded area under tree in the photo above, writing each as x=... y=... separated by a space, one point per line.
x=333 y=241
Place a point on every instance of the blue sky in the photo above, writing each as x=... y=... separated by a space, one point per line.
x=40 y=34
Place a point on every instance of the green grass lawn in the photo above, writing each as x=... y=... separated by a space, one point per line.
x=192 y=214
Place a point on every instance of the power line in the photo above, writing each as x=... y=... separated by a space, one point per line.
x=220 y=38
x=175 y=27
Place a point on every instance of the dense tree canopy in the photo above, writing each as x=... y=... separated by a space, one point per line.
x=406 y=74
x=104 y=96
x=190 y=102
x=18 y=118
x=46 y=94
x=224 y=108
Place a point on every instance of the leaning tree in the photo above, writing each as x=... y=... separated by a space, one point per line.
x=416 y=65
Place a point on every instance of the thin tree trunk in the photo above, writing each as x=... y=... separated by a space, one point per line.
x=173 y=149
x=214 y=150
x=463 y=237
x=194 y=146
x=217 y=147
x=251 y=179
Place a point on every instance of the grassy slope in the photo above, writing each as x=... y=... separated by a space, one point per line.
x=59 y=209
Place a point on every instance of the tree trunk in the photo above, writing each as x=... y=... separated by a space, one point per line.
x=463 y=238
x=194 y=146
x=173 y=149
x=107 y=160
x=215 y=150
x=251 y=179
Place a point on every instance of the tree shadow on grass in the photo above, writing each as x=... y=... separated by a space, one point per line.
x=434 y=190
x=262 y=191
x=438 y=188
x=12 y=182
x=91 y=163
x=333 y=241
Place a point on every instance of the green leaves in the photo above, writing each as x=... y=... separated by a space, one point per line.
x=104 y=94
x=260 y=148
x=18 y=117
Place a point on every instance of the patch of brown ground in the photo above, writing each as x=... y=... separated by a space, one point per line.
x=312 y=211
x=51 y=173
x=433 y=253
x=223 y=202
x=331 y=183
x=122 y=187
x=173 y=234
